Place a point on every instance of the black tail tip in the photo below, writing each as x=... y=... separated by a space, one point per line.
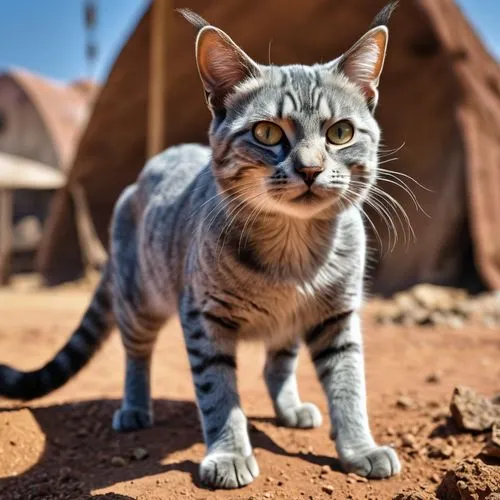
x=382 y=18
x=195 y=19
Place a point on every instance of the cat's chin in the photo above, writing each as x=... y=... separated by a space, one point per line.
x=306 y=206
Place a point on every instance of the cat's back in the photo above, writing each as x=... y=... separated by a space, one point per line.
x=170 y=173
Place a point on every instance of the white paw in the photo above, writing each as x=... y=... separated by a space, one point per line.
x=379 y=462
x=303 y=416
x=228 y=470
x=132 y=419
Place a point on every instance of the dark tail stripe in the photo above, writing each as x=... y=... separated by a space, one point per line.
x=331 y=352
x=316 y=332
x=93 y=328
x=219 y=359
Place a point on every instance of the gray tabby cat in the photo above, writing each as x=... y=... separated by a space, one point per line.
x=257 y=237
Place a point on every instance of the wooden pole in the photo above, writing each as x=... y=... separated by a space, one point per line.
x=5 y=234
x=160 y=14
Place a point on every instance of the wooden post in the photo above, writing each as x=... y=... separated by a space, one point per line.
x=5 y=234
x=160 y=14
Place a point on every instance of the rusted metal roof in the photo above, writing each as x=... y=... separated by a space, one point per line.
x=64 y=109
x=440 y=97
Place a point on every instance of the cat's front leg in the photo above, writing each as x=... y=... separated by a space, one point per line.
x=229 y=461
x=336 y=350
x=281 y=382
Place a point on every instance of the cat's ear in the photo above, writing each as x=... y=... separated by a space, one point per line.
x=364 y=61
x=222 y=65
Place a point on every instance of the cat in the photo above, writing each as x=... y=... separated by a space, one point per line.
x=257 y=237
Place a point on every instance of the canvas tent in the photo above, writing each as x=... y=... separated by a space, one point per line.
x=440 y=96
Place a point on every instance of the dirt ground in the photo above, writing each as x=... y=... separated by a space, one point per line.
x=62 y=446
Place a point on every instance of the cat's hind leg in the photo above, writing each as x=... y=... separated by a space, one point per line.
x=139 y=337
x=281 y=381
x=138 y=325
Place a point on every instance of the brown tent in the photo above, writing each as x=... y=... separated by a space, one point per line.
x=440 y=96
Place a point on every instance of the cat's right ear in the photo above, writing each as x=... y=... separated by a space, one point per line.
x=222 y=65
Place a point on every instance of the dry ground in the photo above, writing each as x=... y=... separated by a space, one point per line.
x=62 y=445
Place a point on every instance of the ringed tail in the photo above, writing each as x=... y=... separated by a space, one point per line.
x=94 y=328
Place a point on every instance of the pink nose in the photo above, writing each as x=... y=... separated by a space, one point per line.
x=308 y=174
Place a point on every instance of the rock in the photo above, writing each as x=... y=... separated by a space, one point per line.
x=492 y=448
x=439 y=450
x=414 y=495
x=471 y=479
x=140 y=453
x=435 y=478
x=433 y=378
x=328 y=489
x=325 y=469
x=408 y=440
x=404 y=402
x=118 y=461
x=472 y=411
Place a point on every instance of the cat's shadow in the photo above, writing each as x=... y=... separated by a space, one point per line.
x=81 y=449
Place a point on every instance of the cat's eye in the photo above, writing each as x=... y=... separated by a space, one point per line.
x=268 y=133
x=340 y=133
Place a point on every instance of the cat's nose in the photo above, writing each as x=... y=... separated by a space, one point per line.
x=308 y=173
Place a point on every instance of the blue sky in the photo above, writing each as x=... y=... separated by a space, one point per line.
x=47 y=36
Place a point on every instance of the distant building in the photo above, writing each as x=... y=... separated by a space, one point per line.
x=40 y=124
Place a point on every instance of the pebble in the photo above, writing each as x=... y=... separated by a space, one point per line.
x=435 y=478
x=404 y=402
x=328 y=489
x=140 y=453
x=118 y=461
x=433 y=378
x=408 y=440
x=325 y=469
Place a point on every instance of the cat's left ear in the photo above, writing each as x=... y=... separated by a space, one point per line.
x=364 y=61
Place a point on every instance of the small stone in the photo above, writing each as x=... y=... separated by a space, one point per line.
x=492 y=448
x=433 y=378
x=404 y=402
x=267 y=495
x=328 y=489
x=472 y=411
x=140 y=453
x=452 y=441
x=118 y=461
x=439 y=450
x=435 y=478
x=408 y=440
x=269 y=479
x=325 y=469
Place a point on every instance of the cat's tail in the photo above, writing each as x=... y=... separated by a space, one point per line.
x=94 y=328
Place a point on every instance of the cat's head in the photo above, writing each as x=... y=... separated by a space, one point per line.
x=293 y=139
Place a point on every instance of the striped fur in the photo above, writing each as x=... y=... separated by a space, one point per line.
x=233 y=239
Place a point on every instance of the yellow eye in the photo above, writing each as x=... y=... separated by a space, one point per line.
x=267 y=133
x=340 y=133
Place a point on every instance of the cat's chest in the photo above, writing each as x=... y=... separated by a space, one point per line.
x=274 y=314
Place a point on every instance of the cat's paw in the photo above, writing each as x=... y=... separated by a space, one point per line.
x=303 y=416
x=228 y=470
x=132 y=419
x=376 y=463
